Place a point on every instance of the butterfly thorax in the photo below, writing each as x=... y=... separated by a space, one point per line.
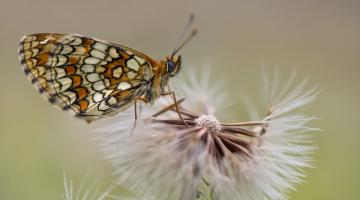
x=162 y=71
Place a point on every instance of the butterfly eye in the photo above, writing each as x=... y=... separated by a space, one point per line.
x=170 y=66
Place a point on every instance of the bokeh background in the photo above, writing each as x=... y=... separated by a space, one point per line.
x=318 y=38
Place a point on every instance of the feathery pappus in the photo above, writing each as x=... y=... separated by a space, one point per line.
x=204 y=158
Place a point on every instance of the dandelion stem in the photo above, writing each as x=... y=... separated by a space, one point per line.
x=251 y=123
x=172 y=106
x=186 y=112
x=174 y=121
x=237 y=130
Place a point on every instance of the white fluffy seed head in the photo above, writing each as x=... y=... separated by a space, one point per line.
x=172 y=163
x=209 y=122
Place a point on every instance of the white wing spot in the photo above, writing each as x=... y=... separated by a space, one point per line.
x=61 y=60
x=87 y=68
x=123 y=86
x=140 y=60
x=117 y=72
x=26 y=45
x=113 y=53
x=103 y=106
x=68 y=39
x=132 y=64
x=70 y=95
x=65 y=87
x=34 y=43
x=106 y=82
x=41 y=70
x=63 y=84
x=35 y=52
x=77 y=41
x=129 y=53
x=98 y=86
x=100 y=46
x=56 y=60
x=131 y=75
x=28 y=38
x=97 y=54
x=100 y=69
x=60 y=72
x=66 y=49
x=98 y=97
x=93 y=77
x=45 y=41
x=92 y=60
x=27 y=54
x=80 y=50
x=112 y=101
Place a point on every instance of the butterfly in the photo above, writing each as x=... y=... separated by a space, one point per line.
x=94 y=78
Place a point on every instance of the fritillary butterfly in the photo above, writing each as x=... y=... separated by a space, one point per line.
x=91 y=77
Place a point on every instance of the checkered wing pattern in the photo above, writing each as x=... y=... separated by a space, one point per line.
x=91 y=77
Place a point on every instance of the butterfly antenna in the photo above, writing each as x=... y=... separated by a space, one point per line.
x=181 y=42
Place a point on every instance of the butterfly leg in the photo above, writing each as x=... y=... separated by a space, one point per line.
x=135 y=110
x=136 y=100
x=176 y=104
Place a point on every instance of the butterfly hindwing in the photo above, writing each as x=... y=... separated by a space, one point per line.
x=93 y=78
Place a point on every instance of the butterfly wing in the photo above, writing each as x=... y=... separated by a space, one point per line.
x=91 y=77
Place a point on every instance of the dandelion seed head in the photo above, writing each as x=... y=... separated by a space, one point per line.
x=209 y=122
x=170 y=158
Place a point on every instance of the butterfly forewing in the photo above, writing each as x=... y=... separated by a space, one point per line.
x=93 y=78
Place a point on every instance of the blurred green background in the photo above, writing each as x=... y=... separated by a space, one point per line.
x=318 y=38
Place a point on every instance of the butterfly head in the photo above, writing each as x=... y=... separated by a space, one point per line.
x=173 y=65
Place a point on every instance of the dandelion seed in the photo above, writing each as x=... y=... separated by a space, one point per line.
x=91 y=193
x=202 y=158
